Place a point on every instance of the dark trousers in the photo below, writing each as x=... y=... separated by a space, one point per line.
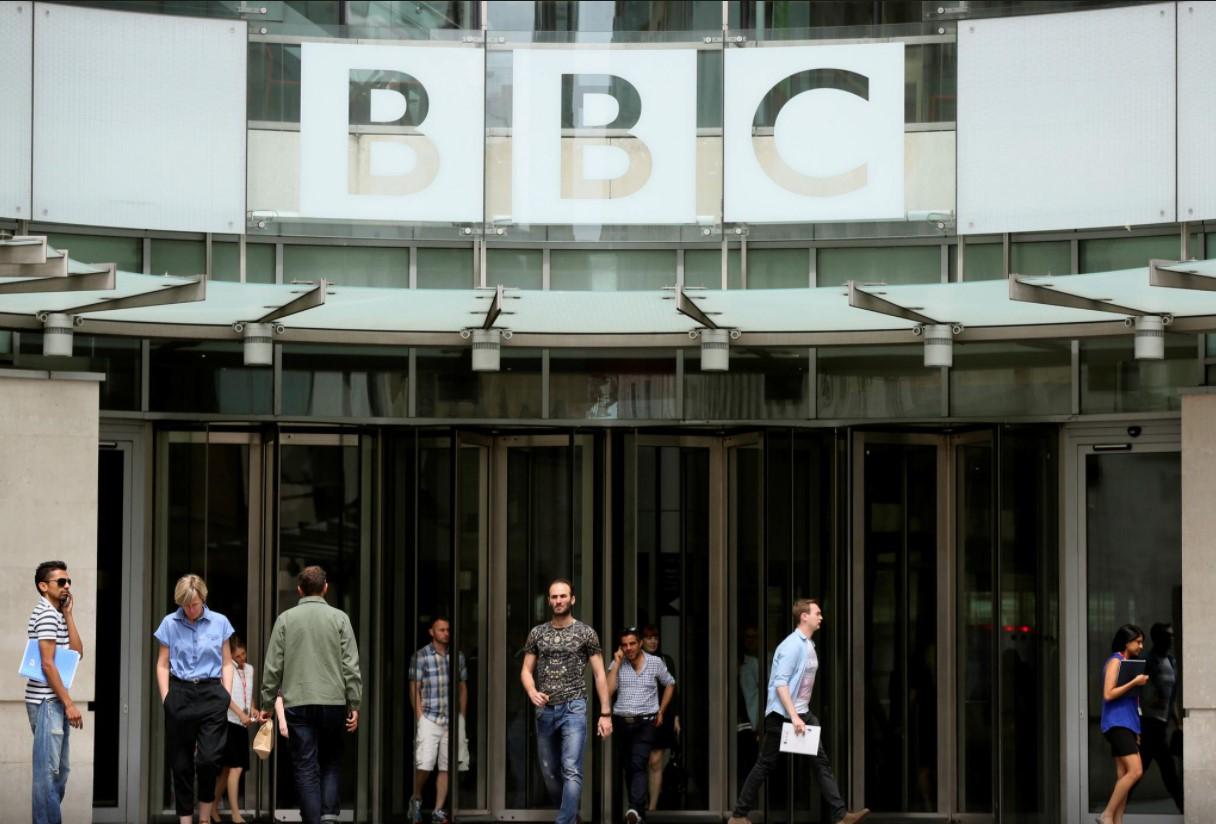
x=635 y=740
x=196 y=730
x=1155 y=745
x=314 y=735
x=770 y=756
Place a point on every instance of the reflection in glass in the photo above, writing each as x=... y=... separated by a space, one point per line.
x=345 y=381
x=671 y=581
x=1114 y=253
x=900 y=626
x=976 y=533
x=449 y=388
x=877 y=382
x=1112 y=380
x=1009 y=378
x=1133 y=550
x=178 y=257
x=761 y=384
x=548 y=536
x=1029 y=624
x=703 y=267
x=320 y=514
x=607 y=384
x=226 y=262
x=879 y=264
x=445 y=268
x=609 y=271
x=127 y=253
x=520 y=268
x=207 y=376
x=347 y=265
x=119 y=359
x=778 y=269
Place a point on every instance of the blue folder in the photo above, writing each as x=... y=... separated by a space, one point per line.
x=66 y=661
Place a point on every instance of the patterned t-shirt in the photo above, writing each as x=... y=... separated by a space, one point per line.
x=46 y=624
x=561 y=659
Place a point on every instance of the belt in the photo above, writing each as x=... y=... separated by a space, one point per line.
x=194 y=680
x=635 y=719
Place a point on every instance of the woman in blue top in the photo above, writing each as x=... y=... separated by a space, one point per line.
x=194 y=673
x=1121 y=719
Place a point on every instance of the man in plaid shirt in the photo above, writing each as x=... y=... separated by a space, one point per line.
x=429 y=688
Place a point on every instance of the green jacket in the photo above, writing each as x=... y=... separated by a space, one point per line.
x=321 y=664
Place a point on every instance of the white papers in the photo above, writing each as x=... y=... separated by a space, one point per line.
x=805 y=744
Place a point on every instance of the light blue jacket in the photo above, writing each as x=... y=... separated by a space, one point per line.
x=789 y=661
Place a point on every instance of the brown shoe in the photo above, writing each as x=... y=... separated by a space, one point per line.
x=854 y=817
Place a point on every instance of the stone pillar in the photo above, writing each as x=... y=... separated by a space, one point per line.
x=1198 y=608
x=48 y=510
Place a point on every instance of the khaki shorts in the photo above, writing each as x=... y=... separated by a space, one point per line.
x=431 y=746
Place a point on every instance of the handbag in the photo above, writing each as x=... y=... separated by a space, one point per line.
x=263 y=742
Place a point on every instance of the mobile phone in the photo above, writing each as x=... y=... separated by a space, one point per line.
x=64 y=598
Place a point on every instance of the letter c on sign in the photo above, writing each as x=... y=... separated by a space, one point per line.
x=770 y=158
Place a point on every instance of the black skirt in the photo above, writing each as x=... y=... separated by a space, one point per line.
x=236 y=749
x=1122 y=741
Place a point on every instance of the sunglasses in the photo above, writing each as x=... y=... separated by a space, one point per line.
x=60 y=582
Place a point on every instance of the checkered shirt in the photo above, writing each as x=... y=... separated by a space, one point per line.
x=430 y=670
x=637 y=693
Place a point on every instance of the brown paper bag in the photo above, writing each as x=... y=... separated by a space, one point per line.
x=263 y=742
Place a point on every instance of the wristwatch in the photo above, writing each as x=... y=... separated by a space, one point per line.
x=605 y=715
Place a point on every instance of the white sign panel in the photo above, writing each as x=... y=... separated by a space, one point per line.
x=826 y=144
x=1196 y=111
x=139 y=119
x=16 y=75
x=628 y=152
x=1067 y=120
x=415 y=152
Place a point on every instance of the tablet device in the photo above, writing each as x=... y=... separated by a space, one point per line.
x=66 y=660
x=1129 y=668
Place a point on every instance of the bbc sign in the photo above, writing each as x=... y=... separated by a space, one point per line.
x=605 y=136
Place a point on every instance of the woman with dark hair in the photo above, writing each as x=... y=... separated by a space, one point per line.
x=1121 y=719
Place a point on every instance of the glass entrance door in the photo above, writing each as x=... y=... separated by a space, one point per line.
x=544 y=521
x=1130 y=571
x=665 y=580
x=901 y=620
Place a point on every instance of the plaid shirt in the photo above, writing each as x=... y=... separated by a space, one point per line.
x=637 y=693
x=430 y=670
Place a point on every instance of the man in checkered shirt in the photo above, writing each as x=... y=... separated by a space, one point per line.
x=635 y=677
x=429 y=690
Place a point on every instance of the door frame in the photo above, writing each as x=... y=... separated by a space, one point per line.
x=131 y=440
x=1077 y=442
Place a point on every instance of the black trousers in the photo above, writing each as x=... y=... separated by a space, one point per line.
x=1155 y=746
x=636 y=740
x=770 y=756
x=196 y=730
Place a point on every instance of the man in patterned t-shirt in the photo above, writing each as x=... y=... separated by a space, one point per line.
x=555 y=660
x=50 y=708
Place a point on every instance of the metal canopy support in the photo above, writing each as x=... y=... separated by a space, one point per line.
x=495 y=309
x=191 y=292
x=1177 y=275
x=55 y=265
x=23 y=249
x=102 y=280
x=309 y=300
x=1047 y=294
x=685 y=305
x=872 y=302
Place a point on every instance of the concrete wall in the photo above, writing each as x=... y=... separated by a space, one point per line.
x=48 y=509
x=1198 y=607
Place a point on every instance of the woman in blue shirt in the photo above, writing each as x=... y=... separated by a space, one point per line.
x=1121 y=719
x=194 y=673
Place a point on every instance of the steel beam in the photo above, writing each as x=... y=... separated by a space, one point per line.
x=99 y=281
x=873 y=302
x=1047 y=295
x=190 y=292
x=1177 y=275
x=311 y=299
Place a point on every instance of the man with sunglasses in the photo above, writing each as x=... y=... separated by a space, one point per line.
x=635 y=676
x=50 y=708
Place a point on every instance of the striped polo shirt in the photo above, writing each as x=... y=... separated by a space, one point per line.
x=46 y=624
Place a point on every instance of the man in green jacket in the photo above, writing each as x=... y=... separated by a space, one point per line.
x=321 y=688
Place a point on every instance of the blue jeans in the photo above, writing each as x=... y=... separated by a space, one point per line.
x=561 y=731
x=50 y=727
x=314 y=735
